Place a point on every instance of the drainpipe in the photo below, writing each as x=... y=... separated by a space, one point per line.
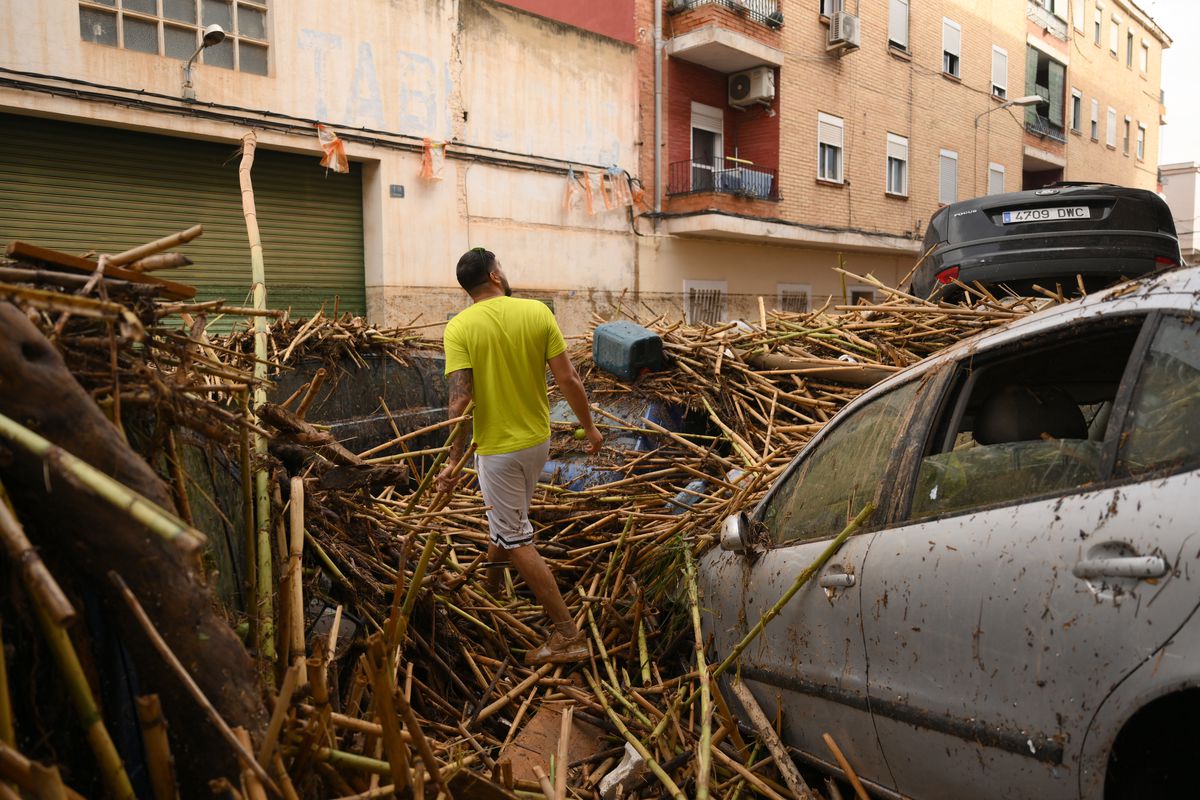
x=658 y=46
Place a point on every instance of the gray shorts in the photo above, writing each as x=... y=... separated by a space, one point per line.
x=507 y=481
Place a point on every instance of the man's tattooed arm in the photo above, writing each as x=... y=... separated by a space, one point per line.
x=462 y=389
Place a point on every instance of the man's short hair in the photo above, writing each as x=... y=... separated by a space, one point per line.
x=474 y=267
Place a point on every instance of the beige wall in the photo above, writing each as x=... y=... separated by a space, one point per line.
x=499 y=84
x=1097 y=74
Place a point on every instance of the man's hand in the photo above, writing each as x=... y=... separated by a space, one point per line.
x=595 y=439
x=447 y=479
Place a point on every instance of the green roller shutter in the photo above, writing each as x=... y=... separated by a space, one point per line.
x=79 y=187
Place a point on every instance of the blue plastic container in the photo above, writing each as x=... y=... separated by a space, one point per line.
x=625 y=349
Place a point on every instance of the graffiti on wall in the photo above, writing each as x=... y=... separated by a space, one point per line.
x=418 y=105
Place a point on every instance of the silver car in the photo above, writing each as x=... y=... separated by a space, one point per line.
x=1016 y=619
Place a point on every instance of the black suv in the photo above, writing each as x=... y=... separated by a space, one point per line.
x=1098 y=231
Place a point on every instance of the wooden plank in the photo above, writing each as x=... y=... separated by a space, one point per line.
x=55 y=258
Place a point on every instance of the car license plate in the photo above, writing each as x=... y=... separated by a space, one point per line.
x=1045 y=214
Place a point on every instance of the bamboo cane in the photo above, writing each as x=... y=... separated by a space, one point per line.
x=112 y=771
x=296 y=646
x=155 y=518
x=783 y=761
x=252 y=789
x=158 y=748
x=262 y=507
x=859 y=791
x=8 y=734
x=157 y=246
x=181 y=672
x=383 y=700
x=562 y=756
x=704 y=746
x=279 y=713
x=34 y=574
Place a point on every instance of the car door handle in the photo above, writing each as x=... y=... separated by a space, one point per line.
x=1128 y=567
x=836 y=580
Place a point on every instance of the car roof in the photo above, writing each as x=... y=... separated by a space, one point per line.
x=1178 y=287
x=1064 y=190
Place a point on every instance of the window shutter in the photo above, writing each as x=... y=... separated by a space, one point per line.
x=829 y=130
x=1112 y=127
x=1058 y=78
x=999 y=68
x=951 y=37
x=898 y=22
x=1095 y=110
x=995 y=178
x=897 y=147
x=948 y=177
x=1031 y=62
x=1078 y=14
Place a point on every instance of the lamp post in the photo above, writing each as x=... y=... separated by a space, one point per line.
x=1027 y=100
x=213 y=35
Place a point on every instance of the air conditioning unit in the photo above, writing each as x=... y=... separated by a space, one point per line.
x=843 y=31
x=752 y=86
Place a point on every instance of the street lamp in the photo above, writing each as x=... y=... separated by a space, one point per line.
x=1027 y=100
x=213 y=35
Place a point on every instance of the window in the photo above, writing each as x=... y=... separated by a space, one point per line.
x=704 y=301
x=795 y=298
x=898 y=24
x=897 y=165
x=1125 y=139
x=995 y=178
x=1129 y=49
x=174 y=30
x=1095 y=120
x=840 y=473
x=1045 y=78
x=1111 y=139
x=1098 y=23
x=1033 y=421
x=829 y=148
x=1076 y=110
x=708 y=155
x=1144 y=61
x=1077 y=16
x=999 y=72
x=830 y=6
x=947 y=177
x=951 y=47
x=1162 y=433
x=860 y=295
x=1141 y=143
x=1114 y=38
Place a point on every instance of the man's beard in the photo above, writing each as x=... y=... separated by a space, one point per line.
x=507 y=288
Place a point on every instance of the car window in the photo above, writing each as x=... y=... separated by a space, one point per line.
x=1030 y=421
x=1162 y=433
x=841 y=473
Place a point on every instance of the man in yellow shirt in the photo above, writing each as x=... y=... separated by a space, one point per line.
x=497 y=351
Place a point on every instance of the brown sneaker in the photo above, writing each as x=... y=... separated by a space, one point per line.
x=559 y=649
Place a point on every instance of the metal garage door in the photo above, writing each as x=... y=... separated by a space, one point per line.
x=82 y=187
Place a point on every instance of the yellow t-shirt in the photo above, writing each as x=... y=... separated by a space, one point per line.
x=506 y=342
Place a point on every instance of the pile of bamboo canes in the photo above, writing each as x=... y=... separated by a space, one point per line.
x=429 y=693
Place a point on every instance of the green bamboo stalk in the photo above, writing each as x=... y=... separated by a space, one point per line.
x=112 y=771
x=704 y=748
x=262 y=495
x=157 y=519
x=796 y=586
x=672 y=789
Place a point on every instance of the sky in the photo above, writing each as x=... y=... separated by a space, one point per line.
x=1181 y=67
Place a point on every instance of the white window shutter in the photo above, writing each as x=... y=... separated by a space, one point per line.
x=948 y=177
x=898 y=22
x=1112 y=127
x=995 y=178
x=951 y=37
x=897 y=147
x=1095 y=110
x=829 y=129
x=1078 y=9
x=1000 y=67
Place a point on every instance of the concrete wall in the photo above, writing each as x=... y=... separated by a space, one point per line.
x=1181 y=187
x=518 y=97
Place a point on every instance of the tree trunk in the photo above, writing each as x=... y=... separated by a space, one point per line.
x=90 y=537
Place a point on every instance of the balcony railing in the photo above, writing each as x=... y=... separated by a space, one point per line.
x=765 y=12
x=1042 y=126
x=689 y=177
x=1047 y=19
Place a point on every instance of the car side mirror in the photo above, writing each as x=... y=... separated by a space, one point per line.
x=735 y=533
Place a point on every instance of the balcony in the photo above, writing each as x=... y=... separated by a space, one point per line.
x=764 y=12
x=1042 y=127
x=1046 y=19
x=749 y=182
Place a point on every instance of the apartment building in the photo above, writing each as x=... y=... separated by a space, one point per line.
x=464 y=121
x=1181 y=188
x=797 y=138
